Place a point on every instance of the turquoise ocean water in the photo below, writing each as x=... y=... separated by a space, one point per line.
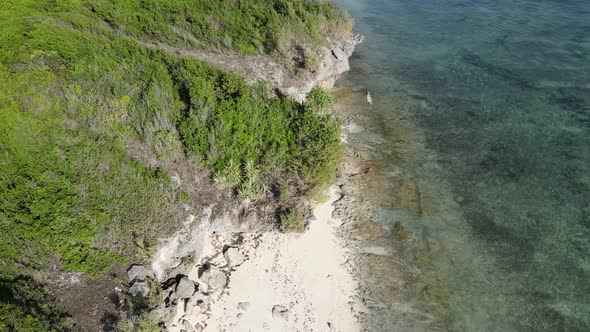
x=500 y=91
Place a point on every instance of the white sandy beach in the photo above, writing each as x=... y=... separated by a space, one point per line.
x=290 y=282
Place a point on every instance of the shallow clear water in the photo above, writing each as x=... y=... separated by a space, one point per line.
x=500 y=91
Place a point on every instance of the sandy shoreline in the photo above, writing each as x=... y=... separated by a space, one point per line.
x=291 y=282
x=272 y=281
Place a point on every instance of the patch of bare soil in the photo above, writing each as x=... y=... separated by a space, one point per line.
x=93 y=303
x=254 y=67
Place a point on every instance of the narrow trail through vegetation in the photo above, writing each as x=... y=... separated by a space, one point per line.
x=253 y=67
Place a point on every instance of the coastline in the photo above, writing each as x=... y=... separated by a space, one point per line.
x=225 y=271
x=393 y=263
x=262 y=280
x=346 y=272
x=366 y=261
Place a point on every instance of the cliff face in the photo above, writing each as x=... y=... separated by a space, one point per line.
x=333 y=63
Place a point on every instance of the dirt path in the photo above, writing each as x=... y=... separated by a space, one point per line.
x=253 y=67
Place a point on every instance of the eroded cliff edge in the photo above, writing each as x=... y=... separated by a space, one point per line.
x=283 y=79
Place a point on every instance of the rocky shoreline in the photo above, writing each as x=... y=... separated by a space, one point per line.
x=393 y=263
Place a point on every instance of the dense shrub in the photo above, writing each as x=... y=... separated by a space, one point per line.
x=245 y=137
x=26 y=306
x=318 y=100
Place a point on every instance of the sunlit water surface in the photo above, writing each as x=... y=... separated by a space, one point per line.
x=501 y=92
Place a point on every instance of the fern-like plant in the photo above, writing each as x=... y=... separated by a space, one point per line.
x=230 y=175
x=252 y=186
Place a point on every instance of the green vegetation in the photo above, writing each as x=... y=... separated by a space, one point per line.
x=318 y=100
x=139 y=317
x=292 y=221
x=24 y=307
x=146 y=322
x=78 y=96
x=251 y=26
x=245 y=137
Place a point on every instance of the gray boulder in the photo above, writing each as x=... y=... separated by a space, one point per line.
x=234 y=257
x=137 y=272
x=185 y=288
x=214 y=278
x=187 y=326
x=140 y=289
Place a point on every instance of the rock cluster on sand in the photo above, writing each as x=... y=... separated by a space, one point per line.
x=290 y=282
x=240 y=281
x=191 y=288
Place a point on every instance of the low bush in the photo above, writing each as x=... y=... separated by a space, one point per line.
x=145 y=322
x=318 y=100
x=26 y=306
x=292 y=221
